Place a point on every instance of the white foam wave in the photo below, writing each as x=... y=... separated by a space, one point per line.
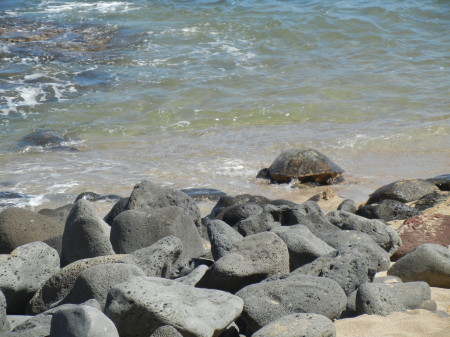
x=100 y=6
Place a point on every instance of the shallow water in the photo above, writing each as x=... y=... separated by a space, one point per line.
x=205 y=93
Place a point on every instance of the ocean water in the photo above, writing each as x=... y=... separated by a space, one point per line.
x=205 y=93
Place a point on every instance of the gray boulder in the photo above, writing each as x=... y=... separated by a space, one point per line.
x=118 y=208
x=34 y=326
x=147 y=197
x=55 y=242
x=428 y=262
x=58 y=285
x=268 y=301
x=24 y=271
x=348 y=205
x=19 y=226
x=96 y=281
x=310 y=215
x=133 y=230
x=298 y=325
x=303 y=246
x=404 y=190
x=4 y=323
x=143 y=304
x=388 y=210
x=83 y=321
x=15 y=320
x=166 y=331
x=413 y=295
x=349 y=267
x=194 y=276
x=85 y=234
x=222 y=238
x=383 y=235
x=251 y=260
x=230 y=201
x=58 y=215
x=233 y=214
x=376 y=299
x=157 y=259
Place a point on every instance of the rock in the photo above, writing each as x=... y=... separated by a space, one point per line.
x=148 y=197
x=298 y=325
x=405 y=190
x=55 y=242
x=24 y=271
x=184 y=267
x=262 y=222
x=19 y=226
x=143 y=304
x=376 y=299
x=203 y=194
x=194 y=276
x=363 y=243
x=266 y=302
x=16 y=320
x=412 y=295
x=81 y=320
x=166 y=331
x=251 y=260
x=442 y=182
x=306 y=165
x=229 y=201
x=423 y=229
x=348 y=205
x=383 y=235
x=433 y=199
x=387 y=210
x=233 y=214
x=324 y=195
x=222 y=238
x=4 y=323
x=59 y=215
x=35 y=326
x=428 y=262
x=118 y=208
x=133 y=230
x=303 y=246
x=263 y=173
x=59 y=284
x=96 y=281
x=85 y=234
x=349 y=267
x=157 y=259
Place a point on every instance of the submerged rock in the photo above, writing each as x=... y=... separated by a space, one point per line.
x=306 y=165
x=48 y=140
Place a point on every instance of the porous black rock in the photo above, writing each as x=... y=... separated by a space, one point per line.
x=303 y=246
x=4 y=323
x=81 y=320
x=388 y=210
x=142 y=305
x=96 y=281
x=383 y=235
x=298 y=325
x=348 y=205
x=59 y=214
x=203 y=194
x=222 y=238
x=20 y=226
x=85 y=234
x=413 y=295
x=404 y=190
x=148 y=197
x=349 y=267
x=118 y=208
x=268 y=301
x=377 y=299
x=92 y=196
x=428 y=262
x=133 y=230
x=24 y=271
x=250 y=260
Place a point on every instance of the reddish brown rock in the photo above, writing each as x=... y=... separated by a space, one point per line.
x=422 y=229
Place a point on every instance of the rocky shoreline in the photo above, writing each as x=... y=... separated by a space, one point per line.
x=154 y=265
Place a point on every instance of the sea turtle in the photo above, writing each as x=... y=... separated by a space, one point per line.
x=306 y=165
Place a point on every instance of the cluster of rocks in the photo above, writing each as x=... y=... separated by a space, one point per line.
x=253 y=267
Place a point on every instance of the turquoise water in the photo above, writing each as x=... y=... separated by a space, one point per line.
x=205 y=93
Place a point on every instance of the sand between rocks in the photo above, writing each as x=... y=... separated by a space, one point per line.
x=412 y=323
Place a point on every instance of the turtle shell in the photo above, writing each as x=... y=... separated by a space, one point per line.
x=306 y=165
